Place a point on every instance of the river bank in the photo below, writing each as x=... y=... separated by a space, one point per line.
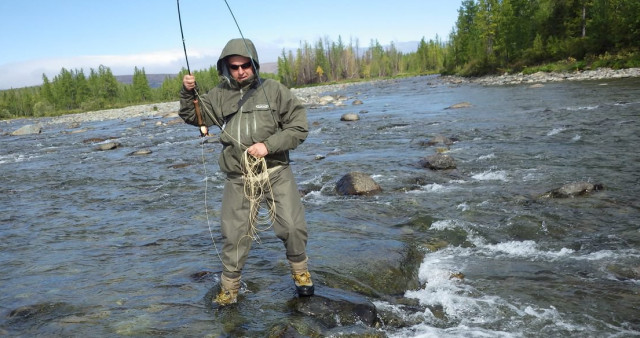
x=544 y=77
x=316 y=96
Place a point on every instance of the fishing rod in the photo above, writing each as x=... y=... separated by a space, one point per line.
x=204 y=131
x=251 y=57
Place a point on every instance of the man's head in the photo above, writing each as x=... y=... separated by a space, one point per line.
x=240 y=67
x=236 y=53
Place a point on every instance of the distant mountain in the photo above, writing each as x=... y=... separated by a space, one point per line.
x=269 y=67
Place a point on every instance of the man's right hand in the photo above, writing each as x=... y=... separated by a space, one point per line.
x=189 y=82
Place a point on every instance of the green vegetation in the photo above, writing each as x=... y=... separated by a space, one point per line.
x=511 y=35
x=490 y=36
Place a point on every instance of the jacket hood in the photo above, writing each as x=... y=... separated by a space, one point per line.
x=242 y=47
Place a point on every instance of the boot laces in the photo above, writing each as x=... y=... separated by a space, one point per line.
x=226 y=297
x=303 y=279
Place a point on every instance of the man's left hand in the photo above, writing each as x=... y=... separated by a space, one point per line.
x=258 y=150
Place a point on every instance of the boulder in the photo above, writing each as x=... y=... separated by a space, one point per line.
x=324 y=100
x=29 y=129
x=357 y=183
x=438 y=162
x=349 y=117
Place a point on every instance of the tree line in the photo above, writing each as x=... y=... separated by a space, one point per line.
x=489 y=36
x=510 y=35
x=74 y=91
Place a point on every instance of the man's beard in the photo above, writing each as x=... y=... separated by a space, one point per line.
x=247 y=80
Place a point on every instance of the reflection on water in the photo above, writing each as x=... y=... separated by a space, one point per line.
x=103 y=242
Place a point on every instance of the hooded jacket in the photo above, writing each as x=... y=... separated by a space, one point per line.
x=271 y=114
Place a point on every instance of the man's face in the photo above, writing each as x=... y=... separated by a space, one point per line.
x=240 y=67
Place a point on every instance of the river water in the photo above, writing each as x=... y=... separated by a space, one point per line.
x=110 y=244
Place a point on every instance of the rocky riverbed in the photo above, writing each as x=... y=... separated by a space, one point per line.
x=330 y=94
x=543 y=77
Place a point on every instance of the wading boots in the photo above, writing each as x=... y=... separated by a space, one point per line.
x=228 y=291
x=302 y=278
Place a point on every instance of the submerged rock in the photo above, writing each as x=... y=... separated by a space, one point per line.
x=438 y=139
x=573 y=189
x=438 y=162
x=357 y=183
x=622 y=272
x=459 y=105
x=141 y=152
x=335 y=307
x=41 y=312
x=108 y=146
x=94 y=140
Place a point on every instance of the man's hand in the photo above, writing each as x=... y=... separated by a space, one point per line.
x=258 y=150
x=189 y=82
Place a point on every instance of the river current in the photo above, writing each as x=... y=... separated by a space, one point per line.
x=104 y=243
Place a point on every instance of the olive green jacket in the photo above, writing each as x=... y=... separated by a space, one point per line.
x=271 y=115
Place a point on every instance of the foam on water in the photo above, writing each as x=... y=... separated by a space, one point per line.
x=469 y=311
x=487 y=157
x=582 y=108
x=556 y=131
x=473 y=312
x=526 y=249
x=318 y=198
x=15 y=158
x=463 y=206
x=491 y=175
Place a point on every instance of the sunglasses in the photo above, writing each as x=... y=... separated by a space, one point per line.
x=244 y=66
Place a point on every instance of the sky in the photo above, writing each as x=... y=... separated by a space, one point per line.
x=43 y=36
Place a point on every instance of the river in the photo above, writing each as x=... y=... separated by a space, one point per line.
x=105 y=243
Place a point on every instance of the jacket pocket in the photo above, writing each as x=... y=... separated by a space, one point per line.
x=262 y=120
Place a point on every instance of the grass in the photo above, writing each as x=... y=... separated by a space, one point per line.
x=628 y=59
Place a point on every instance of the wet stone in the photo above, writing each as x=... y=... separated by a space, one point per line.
x=335 y=307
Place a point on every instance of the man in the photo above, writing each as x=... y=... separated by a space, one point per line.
x=266 y=124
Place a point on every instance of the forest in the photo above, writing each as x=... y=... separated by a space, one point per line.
x=489 y=37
